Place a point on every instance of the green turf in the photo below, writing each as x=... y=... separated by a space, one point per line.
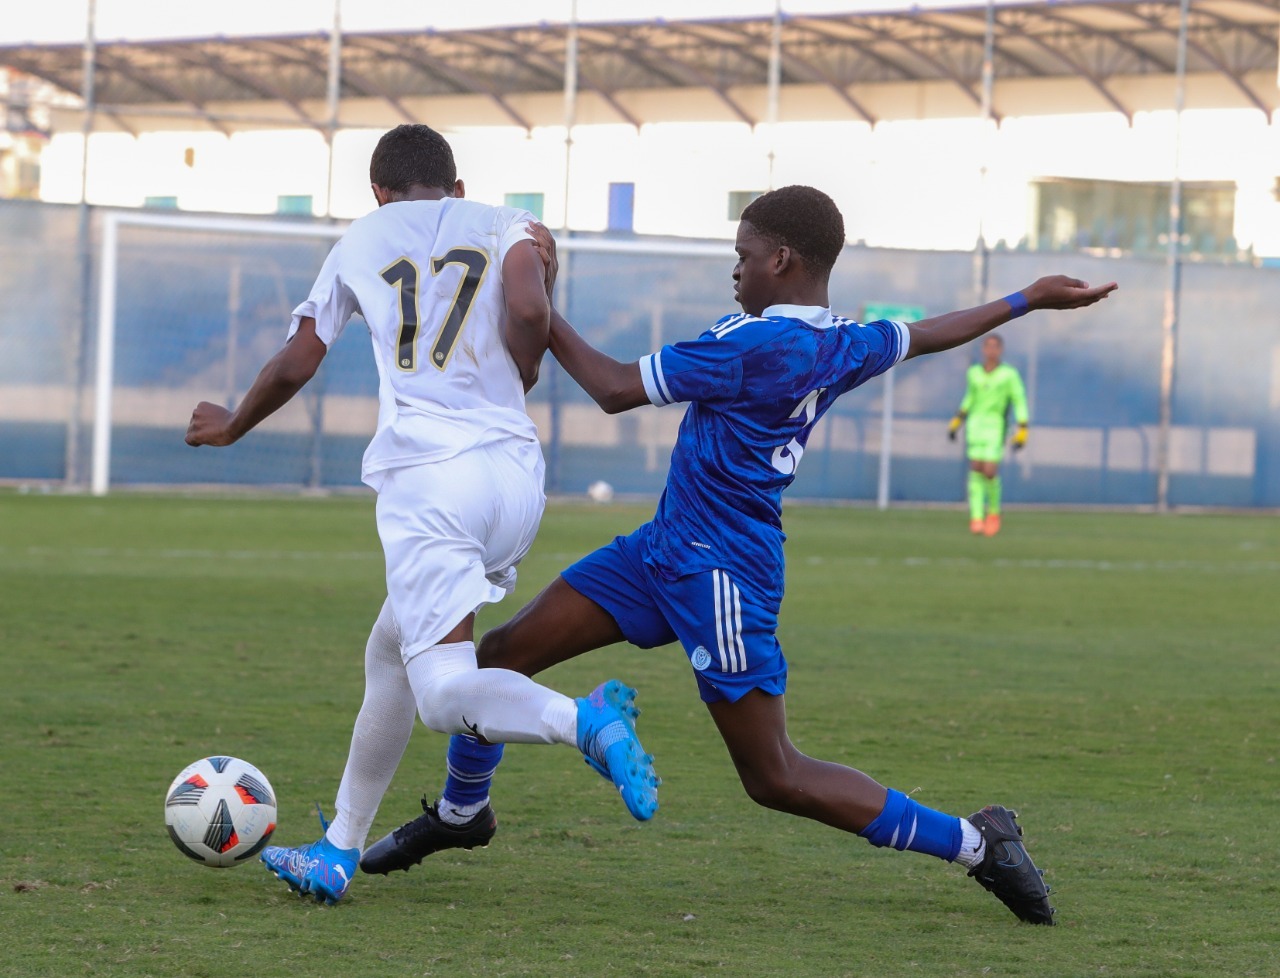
x=1114 y=677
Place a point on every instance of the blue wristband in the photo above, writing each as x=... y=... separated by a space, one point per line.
x=1018 y=302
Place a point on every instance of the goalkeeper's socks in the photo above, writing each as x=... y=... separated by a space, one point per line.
x=471 y=766
x=977 y=495
x=905 y=824
x=993 y=495
x=972 y=847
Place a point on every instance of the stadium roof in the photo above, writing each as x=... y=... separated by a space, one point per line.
x=1050 y=58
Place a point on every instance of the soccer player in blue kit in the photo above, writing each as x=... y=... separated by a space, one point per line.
x=708 y=569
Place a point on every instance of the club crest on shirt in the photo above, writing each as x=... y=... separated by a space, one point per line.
x=701 y=658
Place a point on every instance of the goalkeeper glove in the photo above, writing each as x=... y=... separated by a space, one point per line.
x=955 y=424
x=1020 y=437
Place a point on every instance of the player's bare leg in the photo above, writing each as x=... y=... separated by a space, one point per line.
x=556 y=626
x=777 y=775
x=559 y=624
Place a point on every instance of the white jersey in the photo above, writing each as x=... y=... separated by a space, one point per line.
x=427 y=277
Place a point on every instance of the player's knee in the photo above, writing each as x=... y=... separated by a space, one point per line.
x=771 y=788
x=491 y=653
x=504 y=648
x=434 y=704
x=440 y=678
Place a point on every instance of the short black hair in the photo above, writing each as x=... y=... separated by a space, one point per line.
x=413 y=156
x=805 y=220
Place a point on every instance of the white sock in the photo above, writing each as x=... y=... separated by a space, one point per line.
x=459 y=814
x=381 y=733
x=972 y=847
x=498 y=705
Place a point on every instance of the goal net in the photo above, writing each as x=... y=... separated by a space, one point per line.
x=191 y=307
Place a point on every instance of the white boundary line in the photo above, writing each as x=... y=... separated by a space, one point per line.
x=1024 y=563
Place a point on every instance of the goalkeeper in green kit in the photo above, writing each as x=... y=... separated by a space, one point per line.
x=992 y=389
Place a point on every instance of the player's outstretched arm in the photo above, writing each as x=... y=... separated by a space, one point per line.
x=528 y=309
x=957 y=328
x=614 y=385
x=280 y=378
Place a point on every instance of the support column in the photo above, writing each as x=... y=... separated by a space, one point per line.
x=981 y=253
x=333 y=95
x=570 y=104
x=775 y=88
x=1173 y=260
x=72 y=475
x=563 y=282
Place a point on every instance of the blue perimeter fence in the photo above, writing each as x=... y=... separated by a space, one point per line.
x=199 y=311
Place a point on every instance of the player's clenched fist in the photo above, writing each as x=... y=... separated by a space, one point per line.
x=209 y=425
x=546 y=246
x=1064 y=292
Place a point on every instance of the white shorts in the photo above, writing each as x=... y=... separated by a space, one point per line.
x=452 y=533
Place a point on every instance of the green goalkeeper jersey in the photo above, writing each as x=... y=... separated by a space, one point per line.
x=988 y=396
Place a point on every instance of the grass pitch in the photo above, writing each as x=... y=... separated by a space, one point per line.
x=1114 y=677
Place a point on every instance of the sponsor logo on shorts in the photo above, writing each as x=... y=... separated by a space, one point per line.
x=701 y=658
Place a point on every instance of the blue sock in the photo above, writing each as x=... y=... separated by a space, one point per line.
x=905 y=824
x=471 y=766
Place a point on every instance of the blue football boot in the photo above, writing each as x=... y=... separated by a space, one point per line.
x=609 y=744
x=320 y=870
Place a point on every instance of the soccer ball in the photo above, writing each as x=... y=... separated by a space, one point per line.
x=600 y=492
x=220 y=811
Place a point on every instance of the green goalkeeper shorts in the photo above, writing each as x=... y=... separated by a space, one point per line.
x=984 y=440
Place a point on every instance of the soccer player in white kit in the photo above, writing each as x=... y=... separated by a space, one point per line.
x=454 y=295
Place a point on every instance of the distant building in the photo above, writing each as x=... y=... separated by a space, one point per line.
x=24 y=130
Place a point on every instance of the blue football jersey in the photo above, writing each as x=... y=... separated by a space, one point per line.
x=755 y=387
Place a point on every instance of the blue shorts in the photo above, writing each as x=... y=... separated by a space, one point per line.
x=728 y=634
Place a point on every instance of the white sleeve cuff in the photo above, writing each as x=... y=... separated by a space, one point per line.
x=655 y=384
x=513 y=235
x=308 y=309
x=304 y=309
x=904 y=341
